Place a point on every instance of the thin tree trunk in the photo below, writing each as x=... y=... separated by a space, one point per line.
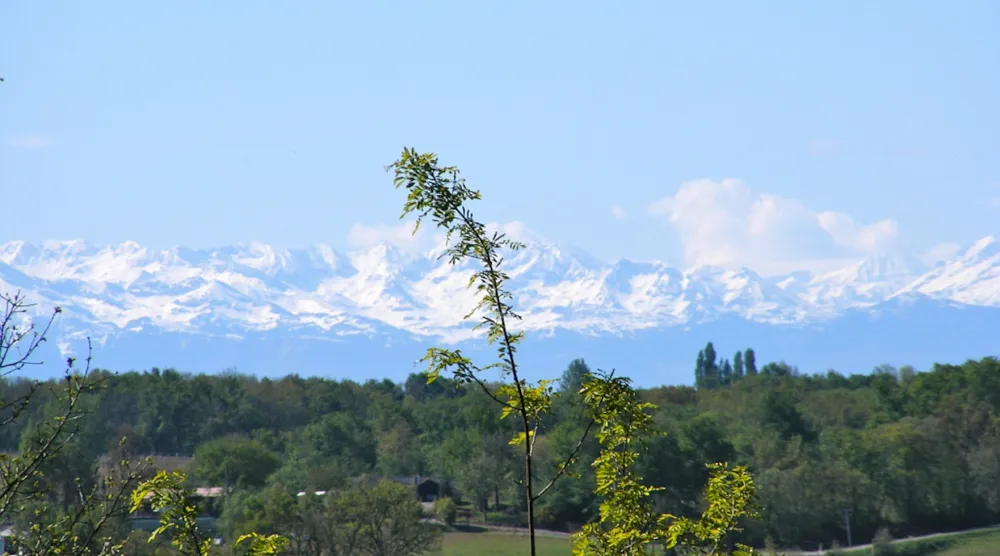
x=529 y=486
x=526 y=425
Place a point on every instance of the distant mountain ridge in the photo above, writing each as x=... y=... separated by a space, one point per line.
x=118 y=293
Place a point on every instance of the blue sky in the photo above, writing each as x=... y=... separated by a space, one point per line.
x=843 y=128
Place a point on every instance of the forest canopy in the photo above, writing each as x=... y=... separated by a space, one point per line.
x=916 y=452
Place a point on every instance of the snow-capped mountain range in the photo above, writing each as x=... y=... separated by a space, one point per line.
x=126 y=295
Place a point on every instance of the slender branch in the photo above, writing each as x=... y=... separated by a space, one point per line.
x=509 y=349
x=23 y=469
x=11 y=337
x=571 y=458
x=485 y=387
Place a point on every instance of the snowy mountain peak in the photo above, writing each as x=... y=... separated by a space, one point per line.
x=255 y=286
x=869 y=281
x=879 y=268
x=972 y=278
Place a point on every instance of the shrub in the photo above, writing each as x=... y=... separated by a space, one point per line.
x=446 y=510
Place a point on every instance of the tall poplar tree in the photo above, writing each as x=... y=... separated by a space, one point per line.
x=712 y=376
x=750 y=362
x=699 y=370
x=725 y=373
x=738 y=366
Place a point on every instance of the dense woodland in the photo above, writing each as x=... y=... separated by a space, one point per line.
x=916 y=452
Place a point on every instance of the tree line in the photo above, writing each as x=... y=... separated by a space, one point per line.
x=917 y=452
x=709 y=372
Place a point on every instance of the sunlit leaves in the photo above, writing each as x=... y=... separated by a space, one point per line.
x=262 y=545
x=730 y=496
x=438 y=192
x=628 y=524
x=165 y=493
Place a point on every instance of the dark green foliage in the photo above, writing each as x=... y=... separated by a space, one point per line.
x=713 y=379
x=750 y=361
x=573 y=377
x=234 y=460
x=726 y=373
x=700 y=371
x=738 y=371
x=708 y=371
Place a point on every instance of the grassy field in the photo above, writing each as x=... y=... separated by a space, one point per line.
x=983 y=545
x=500 y=544
x=973 y=543
x=978 y=543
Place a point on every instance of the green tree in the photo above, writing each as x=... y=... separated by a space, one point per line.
x=780 y=411
x=750 y=361
x=711 y=365
x=398 y=451
x=779 y=368
x=725 y=373
x=738 y=370
x=342 y=437
x=478 y=478
x=700 y=371
x=234 y=460
x=574 y=376
x=984 y=466
x=272 y=509
x=385 y=520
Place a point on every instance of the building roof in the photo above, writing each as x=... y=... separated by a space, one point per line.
x=416 y=479
x=317 y=493
x=209 y=492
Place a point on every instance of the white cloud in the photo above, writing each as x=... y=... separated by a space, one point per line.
x=617 y=211
x=362 y=236
x=724 y=223
x=29 y=142
x=940 y=253
x=847 y=233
